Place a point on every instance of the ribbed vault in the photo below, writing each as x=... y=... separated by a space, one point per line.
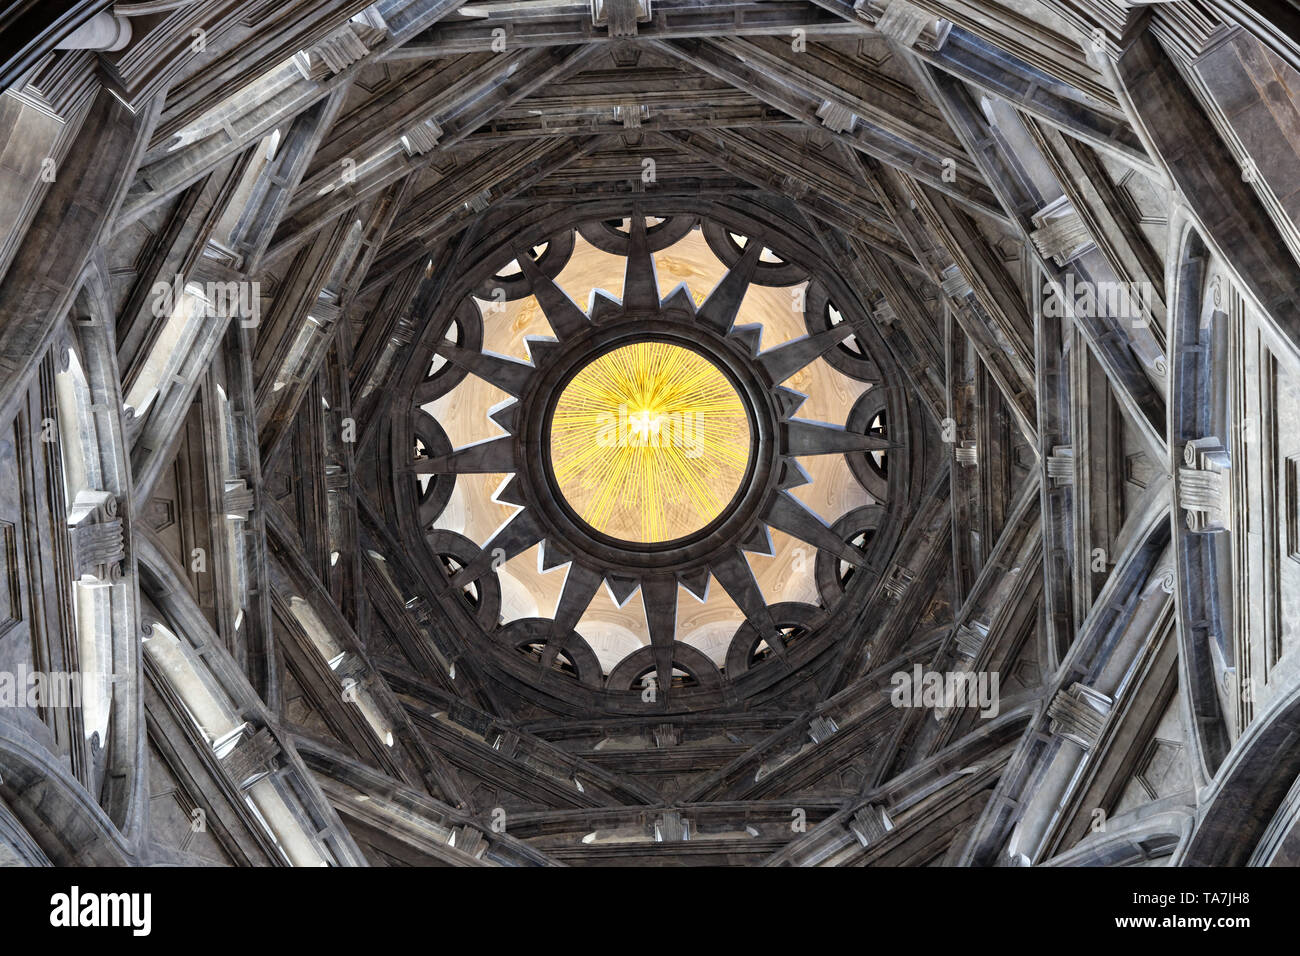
x=311 y=312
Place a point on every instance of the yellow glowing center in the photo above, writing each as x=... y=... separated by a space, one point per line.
x=649 y=442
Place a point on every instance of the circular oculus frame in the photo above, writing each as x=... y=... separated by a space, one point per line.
x=570 y=532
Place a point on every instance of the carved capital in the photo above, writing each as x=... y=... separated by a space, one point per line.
x=97 y=541
x=870 y=824
x=1060 y=465
x=420 y=610
x=954 y=283
x=885 y=313
x=1167 y=579
x=837 y=118
x=969 y=641
x=254 y=756
x=666 y=735
x=505 y=740
x=904 y=23
x=342 y=47
x=351 y=667
x=403 y=331
x=896 y=581
x=821 y=728
x=621 y=16
x=237 y=499
x=326 y=310
x=422 y=137
x=1202 y=487
x=671 y=828
x=1061 y=234
x=1078 y=713
x=468 y=840
x=793 y=187
x=631 y=114
x=337 y=479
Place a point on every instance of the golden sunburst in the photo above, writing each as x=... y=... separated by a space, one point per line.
x=649 y=442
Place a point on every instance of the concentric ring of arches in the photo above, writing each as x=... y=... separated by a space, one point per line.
x=774 y=640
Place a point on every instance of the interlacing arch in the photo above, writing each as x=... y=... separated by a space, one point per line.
x=669 y=443
x=651 y=432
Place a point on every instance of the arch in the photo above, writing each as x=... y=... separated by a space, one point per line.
x=1198 y=342
x=695 y=663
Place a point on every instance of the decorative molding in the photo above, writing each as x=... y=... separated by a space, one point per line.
x=1138 y=470
x=1291 y=505
x=61 y=85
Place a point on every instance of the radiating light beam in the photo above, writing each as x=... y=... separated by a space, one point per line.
x=649 y=442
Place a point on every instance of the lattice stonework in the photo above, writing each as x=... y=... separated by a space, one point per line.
x=649 y=432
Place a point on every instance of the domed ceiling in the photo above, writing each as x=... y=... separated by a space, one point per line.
x=618 y=431
x=651 y=478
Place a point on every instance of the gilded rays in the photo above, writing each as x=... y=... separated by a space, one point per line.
x=649 y=442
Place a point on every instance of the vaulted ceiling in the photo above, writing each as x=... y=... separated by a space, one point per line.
x=308 y=280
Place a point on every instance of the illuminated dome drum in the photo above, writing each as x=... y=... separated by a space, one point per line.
x=719 y=423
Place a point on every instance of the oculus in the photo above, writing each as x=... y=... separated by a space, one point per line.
x=649 y=442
